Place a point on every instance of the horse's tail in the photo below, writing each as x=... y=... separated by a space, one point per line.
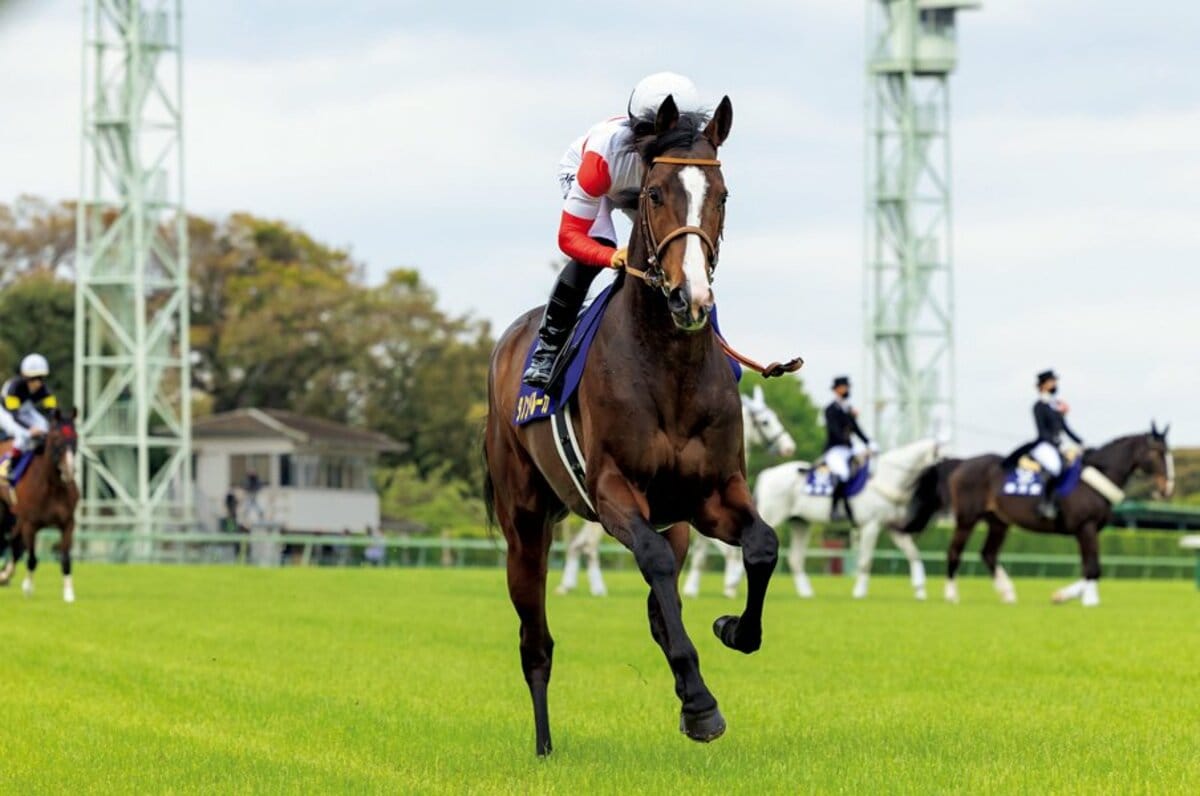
x=489 y=491
x=932 y=495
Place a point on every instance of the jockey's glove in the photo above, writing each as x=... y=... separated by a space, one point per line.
x=619 y=258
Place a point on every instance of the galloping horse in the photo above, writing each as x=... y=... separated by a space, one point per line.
x=974 y=491
x=44 y=497
x=658 y=420
x=760 y=426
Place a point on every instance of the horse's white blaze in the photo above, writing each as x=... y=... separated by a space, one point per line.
x=695 y=261
x=1170 y=475
x=68 y=466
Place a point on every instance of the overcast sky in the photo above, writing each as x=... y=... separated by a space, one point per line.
x=427 y=135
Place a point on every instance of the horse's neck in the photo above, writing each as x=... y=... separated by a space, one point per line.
x=1117 y=460
x=673 y=360
x=42 y=471
x=898 y=467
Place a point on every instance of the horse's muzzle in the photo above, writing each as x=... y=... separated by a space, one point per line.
x=688 y=315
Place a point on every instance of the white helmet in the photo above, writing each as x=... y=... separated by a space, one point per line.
x=35 y=366
x=650 y=92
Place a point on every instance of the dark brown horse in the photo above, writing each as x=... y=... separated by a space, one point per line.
x=972 y=489
x=659 y=422
x=46 y=497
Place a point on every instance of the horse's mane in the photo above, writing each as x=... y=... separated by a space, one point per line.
x=683 y=135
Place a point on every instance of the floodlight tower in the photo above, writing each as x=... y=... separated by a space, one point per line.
x=132 y=376
x=908 y=294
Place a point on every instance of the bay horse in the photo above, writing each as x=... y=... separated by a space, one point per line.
x=972 y=489
x=659 y=422
x=45 y=497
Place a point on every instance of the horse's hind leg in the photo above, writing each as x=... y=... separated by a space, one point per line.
x=997 y=531
x=22 y=543
x=733 y=569
x=691 y=586
x=7 y=544
x=595 y=535
x=797 y=555
x=529 y=536
x=916 y=567
x=570 y=575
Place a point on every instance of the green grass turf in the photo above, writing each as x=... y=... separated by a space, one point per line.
x=222 y=679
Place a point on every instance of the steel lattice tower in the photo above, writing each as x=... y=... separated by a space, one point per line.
x=908 y=285
x=132 y=376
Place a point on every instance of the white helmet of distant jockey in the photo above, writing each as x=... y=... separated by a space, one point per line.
x=35 y=366
x=650 y=92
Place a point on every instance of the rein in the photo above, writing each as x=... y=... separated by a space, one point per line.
x=653 y=276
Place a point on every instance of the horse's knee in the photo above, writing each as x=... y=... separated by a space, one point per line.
x=654 y=557
x=760 y=545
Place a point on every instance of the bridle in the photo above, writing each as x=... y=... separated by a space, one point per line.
x=653 y=275
x=771 y=443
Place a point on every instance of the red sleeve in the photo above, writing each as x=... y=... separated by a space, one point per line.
x=574 y=241
x=592 y=175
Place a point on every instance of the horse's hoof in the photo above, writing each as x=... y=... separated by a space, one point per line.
x=27 y=587
x=726 y=629
x=920 y=594
x=702 y=727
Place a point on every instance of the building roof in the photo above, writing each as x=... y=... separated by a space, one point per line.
x=280 y=423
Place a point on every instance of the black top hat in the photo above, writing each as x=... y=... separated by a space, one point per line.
x=1045 y=376
x=840 y=381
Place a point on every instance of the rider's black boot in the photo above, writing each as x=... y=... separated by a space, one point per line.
x=561 y=311
x=1047 y=508
x=839 y=498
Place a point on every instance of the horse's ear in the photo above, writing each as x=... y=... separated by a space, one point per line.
x=56 y=415
x=1153 y=428
x=718 y=129
x=1166 y=428
x=74 y=413
x=668 y=114
x=758 y=394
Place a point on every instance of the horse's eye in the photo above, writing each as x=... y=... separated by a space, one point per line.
x=655 y=196
x=724 y=198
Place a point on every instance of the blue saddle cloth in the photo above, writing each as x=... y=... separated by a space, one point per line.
x=1027 y=482
x=534 y=404
x=820 y=482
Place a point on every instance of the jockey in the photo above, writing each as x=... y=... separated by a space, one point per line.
x=1049 y=414
x=600 y=172
x=21 y=400
x=841 y=424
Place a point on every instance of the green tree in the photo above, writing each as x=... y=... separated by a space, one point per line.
x=424 y=376
x=38 y=311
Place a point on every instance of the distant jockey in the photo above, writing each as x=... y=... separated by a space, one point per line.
x=841 y=425
x=600 y=172
x=22 y=400
x=1050 y=416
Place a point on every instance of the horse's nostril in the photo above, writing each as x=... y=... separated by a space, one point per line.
x=677 y=302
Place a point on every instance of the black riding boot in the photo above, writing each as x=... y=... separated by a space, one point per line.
x=1046 y=505
x=839 y=494
x=561 y=311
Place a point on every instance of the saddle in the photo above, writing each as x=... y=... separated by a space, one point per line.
x=534 y=404
x=1024 y=477
x=820 y=482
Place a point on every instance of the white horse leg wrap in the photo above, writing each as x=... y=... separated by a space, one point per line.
x=1091 y=593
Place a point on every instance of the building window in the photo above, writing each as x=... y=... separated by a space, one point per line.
x=242 y=464
x=285 y=469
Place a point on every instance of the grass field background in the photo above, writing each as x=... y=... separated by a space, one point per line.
x=222 y=679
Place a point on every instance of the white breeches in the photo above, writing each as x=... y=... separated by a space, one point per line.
x=837 y=459
x=1048 y=457
x=17 y=425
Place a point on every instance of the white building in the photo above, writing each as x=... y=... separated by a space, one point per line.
x=314 y=474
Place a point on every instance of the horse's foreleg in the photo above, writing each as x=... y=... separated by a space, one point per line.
x=734 y=569
x=7 y=543
x=592 y=551
x=24 y=540
x=529 y=539
x=997 y=530
x=916 y=567
x=868 y=537
x=731 y=517
x=962 y=533
x=1089 y=552
x=797 y=555
x=691 y=586
x=623 y=511
x=570 y=575
x=68 y=538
